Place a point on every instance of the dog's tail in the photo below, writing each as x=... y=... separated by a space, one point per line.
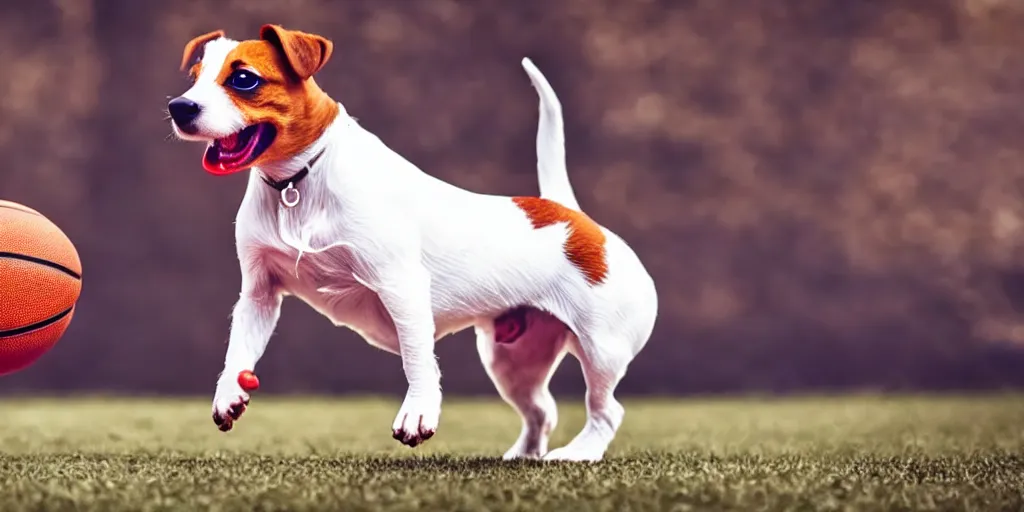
x=551 y=168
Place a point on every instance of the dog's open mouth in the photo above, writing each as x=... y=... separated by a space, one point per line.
x=238 y=151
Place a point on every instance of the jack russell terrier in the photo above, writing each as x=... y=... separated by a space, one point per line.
x=336 y=218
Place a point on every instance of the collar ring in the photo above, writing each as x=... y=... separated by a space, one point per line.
x=290 y=196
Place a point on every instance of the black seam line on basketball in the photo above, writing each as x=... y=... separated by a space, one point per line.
x=40 y=261
x=19 y=210
x=36 y=326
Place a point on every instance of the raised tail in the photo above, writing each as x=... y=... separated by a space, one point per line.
x=551 y=168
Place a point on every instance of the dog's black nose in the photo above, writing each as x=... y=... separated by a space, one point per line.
x=183 y=111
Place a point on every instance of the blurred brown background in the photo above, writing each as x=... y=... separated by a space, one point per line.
x=827 y=193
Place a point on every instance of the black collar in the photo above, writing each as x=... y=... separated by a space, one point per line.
x=296 y=178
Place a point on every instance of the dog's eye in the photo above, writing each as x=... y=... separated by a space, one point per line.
x=243 y=80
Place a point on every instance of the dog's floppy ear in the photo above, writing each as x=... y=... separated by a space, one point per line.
x=305 y=53
x=193 y=46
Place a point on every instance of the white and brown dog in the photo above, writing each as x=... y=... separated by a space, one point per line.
x=333 y=216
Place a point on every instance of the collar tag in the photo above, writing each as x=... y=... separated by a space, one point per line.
x=289 y=193
x=290 y=196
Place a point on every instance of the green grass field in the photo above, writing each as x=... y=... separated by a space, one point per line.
x=953 y=453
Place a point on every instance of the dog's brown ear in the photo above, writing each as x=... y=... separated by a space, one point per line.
x=305 y=53
x=193 y=46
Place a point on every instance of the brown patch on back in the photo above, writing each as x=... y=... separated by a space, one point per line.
x=298 y=108
x=585 y=245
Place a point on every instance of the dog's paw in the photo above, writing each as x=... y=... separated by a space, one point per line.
x=417 y=420
x=575 y=454
x=518 y=452
x=229 y=402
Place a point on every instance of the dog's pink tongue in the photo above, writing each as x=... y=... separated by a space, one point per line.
x=230 y=142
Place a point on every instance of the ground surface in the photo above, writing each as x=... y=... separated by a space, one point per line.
x=822 y=453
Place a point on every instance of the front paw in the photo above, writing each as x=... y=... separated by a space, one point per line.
x=231 y=400
x=228 y=407
x=417 y=420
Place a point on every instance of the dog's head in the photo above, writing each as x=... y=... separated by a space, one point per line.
x=255 y=102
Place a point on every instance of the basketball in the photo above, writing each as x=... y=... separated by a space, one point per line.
x=40 y=280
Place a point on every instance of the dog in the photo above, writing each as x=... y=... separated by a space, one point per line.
x=333 y=216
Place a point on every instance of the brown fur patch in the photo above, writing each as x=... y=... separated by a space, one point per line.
x=192 y=46
x=585 y=245
x=193 y=72
x=305 y=53
x=297 y=108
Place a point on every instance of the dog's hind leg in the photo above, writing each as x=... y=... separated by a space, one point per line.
x=602 y=370
x=520 y=351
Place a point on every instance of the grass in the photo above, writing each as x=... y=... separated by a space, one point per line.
x=862 y=452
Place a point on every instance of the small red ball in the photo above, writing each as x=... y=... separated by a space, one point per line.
x=248 y=381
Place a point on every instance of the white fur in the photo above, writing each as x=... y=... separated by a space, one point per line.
x=219 y=116
x=551 y=168
x=403 y=259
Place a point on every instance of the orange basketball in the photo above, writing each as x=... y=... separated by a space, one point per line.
x=40 y=280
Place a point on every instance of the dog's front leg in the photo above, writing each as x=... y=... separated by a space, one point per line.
x=252 y=323
x=406 y=296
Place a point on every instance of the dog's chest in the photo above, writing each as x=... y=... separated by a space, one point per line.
x=327 y=282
